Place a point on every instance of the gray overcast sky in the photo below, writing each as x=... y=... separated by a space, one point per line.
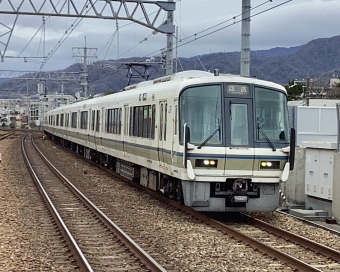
x=293 y=23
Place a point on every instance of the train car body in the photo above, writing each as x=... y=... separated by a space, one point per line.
x=215 y=143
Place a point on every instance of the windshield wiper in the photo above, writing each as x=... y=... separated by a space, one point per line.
x=266 y=137
x=207 y=139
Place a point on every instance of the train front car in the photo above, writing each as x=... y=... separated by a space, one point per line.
x=236 y=144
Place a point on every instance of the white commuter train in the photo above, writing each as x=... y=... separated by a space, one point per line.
x=216 y=143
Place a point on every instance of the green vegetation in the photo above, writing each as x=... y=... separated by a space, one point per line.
x=294 y=90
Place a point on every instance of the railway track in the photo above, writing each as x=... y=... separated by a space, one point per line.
x=96 y=243
x=291 y=255
x=294 y=250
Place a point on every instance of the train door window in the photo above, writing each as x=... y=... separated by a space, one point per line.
x=119 y=120
x=153 y=118
x=97 y=120
x=109 y=121
x=146 y=122
x=131 y=122
x=176 y=119
x=140 y=121
x=57 y=123
x=106 y=123
x=126 y=119
x=67 y=120
x=165 y=119
x=62 y=120
x=161 y=122
x=239 y=126
x=93 y=119
x=74 y=120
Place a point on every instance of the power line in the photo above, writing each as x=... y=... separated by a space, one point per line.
x=217 y=30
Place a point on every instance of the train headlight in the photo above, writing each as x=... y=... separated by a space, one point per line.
x=269 y=165
x=206 y=163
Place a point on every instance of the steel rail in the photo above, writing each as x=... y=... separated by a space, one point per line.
x=274 y=253
x=76 y=251
x=322 y=249
x=132 y=245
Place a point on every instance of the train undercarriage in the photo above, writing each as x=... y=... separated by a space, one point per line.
x=234 y=194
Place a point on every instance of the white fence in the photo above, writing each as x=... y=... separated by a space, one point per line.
x=317 y=124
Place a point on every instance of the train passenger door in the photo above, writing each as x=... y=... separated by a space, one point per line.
x=239 y=137
x=162 y=137
x=175 y=142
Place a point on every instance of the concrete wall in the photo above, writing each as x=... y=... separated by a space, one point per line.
x=336 y=187
x=294 y=187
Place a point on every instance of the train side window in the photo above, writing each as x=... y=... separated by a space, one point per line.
x=83 y=119
x=113 y=120
x=74 y=120
x=126 y=119
x=98 y=120
x=57 y=123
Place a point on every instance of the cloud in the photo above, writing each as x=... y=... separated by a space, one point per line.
x=290 y=24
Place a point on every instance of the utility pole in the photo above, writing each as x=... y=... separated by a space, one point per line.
x=88 y=55
x=245 y=39
x=169 y=43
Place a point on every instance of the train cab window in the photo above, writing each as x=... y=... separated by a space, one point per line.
x=271 y=115
x=200 y=108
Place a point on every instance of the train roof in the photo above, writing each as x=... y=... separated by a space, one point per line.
x=195 y=74
x=181 y=79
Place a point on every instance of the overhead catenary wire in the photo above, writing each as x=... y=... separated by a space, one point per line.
x=67 y=34
x=196 y=37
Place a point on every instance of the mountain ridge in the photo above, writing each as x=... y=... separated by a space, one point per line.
x=319 y=58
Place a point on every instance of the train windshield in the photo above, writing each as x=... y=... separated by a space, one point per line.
x=271 y=115
x=200 y=108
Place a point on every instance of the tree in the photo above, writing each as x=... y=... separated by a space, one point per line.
x=294 y=90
